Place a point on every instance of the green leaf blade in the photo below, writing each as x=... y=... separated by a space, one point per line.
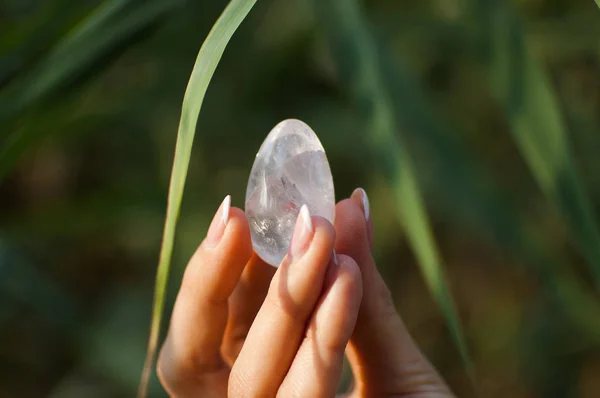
x=356 y=50
x=100 y=32
x=523 y=90
x=206 y=63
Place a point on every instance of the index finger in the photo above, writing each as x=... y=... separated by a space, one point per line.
x=192 y=348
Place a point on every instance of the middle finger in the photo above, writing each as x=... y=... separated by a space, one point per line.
x=280 y=324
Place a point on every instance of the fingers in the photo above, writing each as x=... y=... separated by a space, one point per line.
x=383 y=356
x=317 y=367
x=244 y=304
x=190 y=358
x=279 y=326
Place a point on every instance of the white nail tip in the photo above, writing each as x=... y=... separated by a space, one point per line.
x=365 y=200
x=306 y=218
x=335 y=259
x=226 y=206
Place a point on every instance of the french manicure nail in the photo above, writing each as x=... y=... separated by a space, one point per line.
x=225 y=211
x=303 y=232
x=365 y=203
x=219 y=222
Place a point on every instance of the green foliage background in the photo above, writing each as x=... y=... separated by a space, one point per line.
x=473 y=125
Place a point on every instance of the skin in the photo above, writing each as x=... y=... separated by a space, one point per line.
x=241 y=328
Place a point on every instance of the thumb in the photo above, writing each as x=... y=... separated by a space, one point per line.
x=383 y=356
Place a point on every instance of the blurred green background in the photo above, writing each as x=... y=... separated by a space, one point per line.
x=497 y=104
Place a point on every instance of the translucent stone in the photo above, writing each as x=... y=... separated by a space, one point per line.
x=290 y=170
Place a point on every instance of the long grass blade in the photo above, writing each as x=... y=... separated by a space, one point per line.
x=523 y=89
x=210 y=53
x=473 y=197
x=103 y=30
x=76 y=50
x=22 y=40
x=357 y=55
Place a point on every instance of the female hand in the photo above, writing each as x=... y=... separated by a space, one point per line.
x=241 y=328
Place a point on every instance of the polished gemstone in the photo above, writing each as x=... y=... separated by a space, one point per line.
x=290 y=170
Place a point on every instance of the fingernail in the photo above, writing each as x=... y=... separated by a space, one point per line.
x=364 y=199
x=303 y=233
x=219 y=222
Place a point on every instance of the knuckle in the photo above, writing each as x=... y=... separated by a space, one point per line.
x=290 y=298
x=334 y=344
x=168 y=374
x=188 y=287
x=233 y=345
x=352 y=271
x=282 y=301
x=178 y=372
x=351 y=276
x=161 y=372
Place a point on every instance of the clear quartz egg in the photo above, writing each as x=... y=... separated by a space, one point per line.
x=290 y=170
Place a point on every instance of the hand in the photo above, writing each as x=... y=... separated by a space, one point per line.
x=242 y=328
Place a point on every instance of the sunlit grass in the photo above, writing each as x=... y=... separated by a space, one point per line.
x=206 y=63
x=358 y=57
